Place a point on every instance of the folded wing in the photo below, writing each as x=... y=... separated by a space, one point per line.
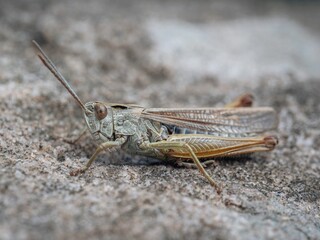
x=221 y=120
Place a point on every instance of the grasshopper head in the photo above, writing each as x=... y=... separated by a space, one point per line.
x=99 y=119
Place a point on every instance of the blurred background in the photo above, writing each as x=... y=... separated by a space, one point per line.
x=157 y=54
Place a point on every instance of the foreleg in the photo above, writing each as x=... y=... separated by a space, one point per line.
x=101 y=147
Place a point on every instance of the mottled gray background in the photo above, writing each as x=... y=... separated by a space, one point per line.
x=157 y=54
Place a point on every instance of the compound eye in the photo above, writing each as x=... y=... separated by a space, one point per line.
x=100 y=110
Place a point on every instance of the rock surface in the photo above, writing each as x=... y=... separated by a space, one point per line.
x=157 y=54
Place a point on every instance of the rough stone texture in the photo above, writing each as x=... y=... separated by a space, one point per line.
x=157 y=54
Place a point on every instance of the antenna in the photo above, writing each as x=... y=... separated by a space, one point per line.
x=49 y=64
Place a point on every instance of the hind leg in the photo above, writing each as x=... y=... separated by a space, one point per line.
x=193 y=165
x=245 y=100
x=172 y=146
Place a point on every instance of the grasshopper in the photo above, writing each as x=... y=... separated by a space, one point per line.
x=187 y=136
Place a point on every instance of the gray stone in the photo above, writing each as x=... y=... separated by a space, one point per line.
x=157 y=54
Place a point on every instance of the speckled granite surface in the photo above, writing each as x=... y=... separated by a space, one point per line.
x=157 y=54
